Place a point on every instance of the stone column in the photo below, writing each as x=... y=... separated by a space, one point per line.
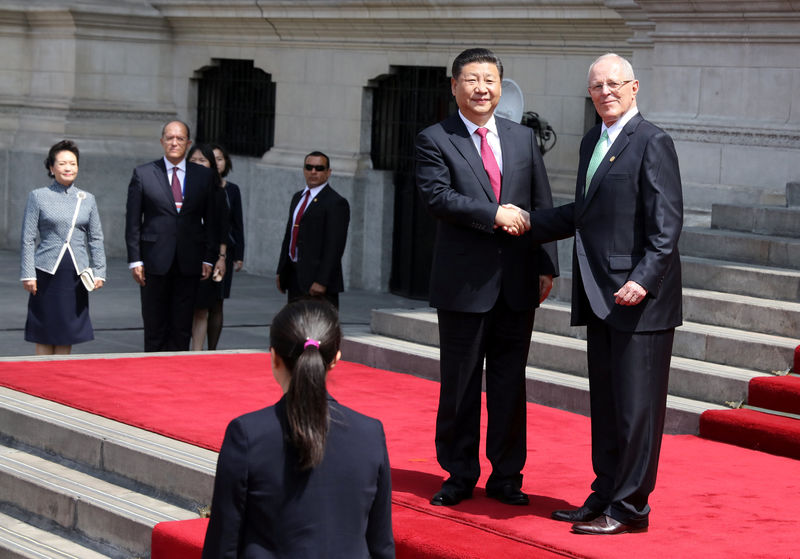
x=723 y=77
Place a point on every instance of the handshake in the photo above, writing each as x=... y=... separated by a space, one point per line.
x=513 y=220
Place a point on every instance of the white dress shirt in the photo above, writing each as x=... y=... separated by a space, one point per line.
x=491 y=137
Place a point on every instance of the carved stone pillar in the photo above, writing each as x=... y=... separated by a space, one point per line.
x=723 y=77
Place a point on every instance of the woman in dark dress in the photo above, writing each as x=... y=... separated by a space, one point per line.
x=66 y=221
x=235 y=250
x=210 y=290
x=306 y=477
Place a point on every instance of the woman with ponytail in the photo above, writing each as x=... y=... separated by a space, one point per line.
x=306 y=477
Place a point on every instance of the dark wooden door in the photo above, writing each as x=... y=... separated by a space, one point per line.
x=405 y=102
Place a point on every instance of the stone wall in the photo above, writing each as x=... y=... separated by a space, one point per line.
x=722 y=77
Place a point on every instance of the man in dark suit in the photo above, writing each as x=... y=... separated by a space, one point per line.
x=626 y=288
x=169 y=239
x=487 y=277
x=310 y=262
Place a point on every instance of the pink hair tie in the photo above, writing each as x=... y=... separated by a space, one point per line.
x=311 y=342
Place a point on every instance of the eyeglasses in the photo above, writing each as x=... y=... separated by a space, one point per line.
x=179 y=139
x=318 y=168
x=613 y=87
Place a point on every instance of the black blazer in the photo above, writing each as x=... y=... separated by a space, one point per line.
x=236 y=234
x=156 y=233
x=263 y=507
x=626 y=227
x=472 y=260
x=320 y=241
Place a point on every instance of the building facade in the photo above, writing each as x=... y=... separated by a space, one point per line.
x=356 y=79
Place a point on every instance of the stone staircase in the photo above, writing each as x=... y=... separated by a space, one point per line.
x=741 y=320
x=75 y=485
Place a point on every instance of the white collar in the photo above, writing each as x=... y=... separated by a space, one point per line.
x=616 y=128
x=314 y=191
x=472 y=127
x=181 y=166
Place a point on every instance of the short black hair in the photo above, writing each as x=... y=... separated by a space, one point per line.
x=208 y=153
x=55 y=149
x=476 y=55
x=228 y=162
x=319 y=154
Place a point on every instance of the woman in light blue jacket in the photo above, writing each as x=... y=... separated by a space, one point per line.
x=66 y=221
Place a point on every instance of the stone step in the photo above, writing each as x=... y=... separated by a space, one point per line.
x=738 y=312
x=758 y=352
x=179 y=470
x=753 y=314
x=720 y=345
x=743 y=312
x=750 y=248
x=20 y=540
x=90 y=481
x=547 y=387
x=78 y=501
x=741 y=279
x=761 y=220
x=688 y=378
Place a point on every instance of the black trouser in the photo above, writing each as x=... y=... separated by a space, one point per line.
x=501 y=336
x=296 y=293
x=168 y=309
x=628 y=377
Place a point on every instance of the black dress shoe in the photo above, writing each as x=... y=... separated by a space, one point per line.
x=449 y=496
x=606 y=526
x=582 y=514
x=508 y=494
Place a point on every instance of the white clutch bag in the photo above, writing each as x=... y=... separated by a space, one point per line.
x=87 y=277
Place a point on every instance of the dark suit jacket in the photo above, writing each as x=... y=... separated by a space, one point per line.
x=263 y=507
x=236 y=234
x=156 y=233
x=626 y=228
x=320 y=241
x=472 y=260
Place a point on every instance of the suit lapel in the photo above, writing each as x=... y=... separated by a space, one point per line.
x=313 y=202
x=506 y=146
x=462 y=141
x=161 y=178
x=613 y=153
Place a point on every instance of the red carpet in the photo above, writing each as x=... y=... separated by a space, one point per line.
x=775 y=393
x=797 y=360
x=758 y=430
x=712 y=500
x=753 y=429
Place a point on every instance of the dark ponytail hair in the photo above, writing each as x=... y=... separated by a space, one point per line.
x=306 y=336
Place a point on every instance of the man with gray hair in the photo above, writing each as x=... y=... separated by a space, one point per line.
x=626 y=288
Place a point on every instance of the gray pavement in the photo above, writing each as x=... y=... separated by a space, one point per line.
x=117 y=321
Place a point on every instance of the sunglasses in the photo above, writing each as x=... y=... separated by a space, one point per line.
x=319 y=168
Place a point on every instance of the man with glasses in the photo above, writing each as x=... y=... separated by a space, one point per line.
x=170 y=245
x=626 y=288
x=310 y=262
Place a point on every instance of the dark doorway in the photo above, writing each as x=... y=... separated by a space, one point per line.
x=404 y=102
x=236 y=107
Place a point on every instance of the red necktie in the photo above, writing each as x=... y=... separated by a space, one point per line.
x=176 y=189
x=490 y=163
x=296 y=228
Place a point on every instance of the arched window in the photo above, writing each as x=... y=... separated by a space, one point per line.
x=236 y=107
